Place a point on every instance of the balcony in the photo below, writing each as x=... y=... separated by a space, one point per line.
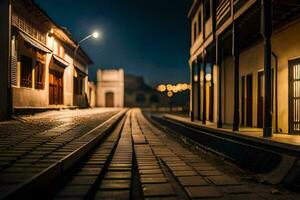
x=225 y=9
x=223 y=12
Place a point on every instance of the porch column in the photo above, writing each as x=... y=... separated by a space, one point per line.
x=199 y=89
x=236 y=57
x=211 y=95
x=266 y=30
x=192 y=91
x=204 y=88
x=5 y=41
x=218 y=62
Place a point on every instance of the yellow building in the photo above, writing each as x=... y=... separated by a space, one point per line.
x=244 y=64
x=44 y=73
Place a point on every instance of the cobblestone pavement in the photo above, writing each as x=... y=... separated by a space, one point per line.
x=189 y=175
x=33 y=143
x=142 y=162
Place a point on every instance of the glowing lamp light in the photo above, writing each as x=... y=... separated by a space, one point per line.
x=161 y=88
x=95 y=34
x=208 y=77
x=184 y=86
x=169 y=87
x=170 y=94
x=195 y=78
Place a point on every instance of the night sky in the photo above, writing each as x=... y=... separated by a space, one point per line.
x=145 y=37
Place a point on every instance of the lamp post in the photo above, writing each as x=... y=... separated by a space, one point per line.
x=94 y=35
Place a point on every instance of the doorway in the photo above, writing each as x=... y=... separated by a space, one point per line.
x=109 y=99
x=294 y=96
x=249 y=100
x=260 y=99
x=55 y=87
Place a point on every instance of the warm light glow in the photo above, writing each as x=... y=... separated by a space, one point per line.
x=161 y=88
x=169 y=87
x=184 y=86
x=195 y=78
x=95 y=34
x=170 y=94
x=208 y=77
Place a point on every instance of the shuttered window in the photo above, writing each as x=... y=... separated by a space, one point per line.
x=26 y=71
x=39 y=71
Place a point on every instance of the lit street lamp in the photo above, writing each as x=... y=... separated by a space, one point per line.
x=94 y=35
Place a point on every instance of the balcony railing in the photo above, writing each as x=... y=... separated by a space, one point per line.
x=223 y=12
x=224 y=9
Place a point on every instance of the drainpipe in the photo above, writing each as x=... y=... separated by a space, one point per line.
x=276 y=92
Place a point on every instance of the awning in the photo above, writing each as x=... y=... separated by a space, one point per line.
x=34 y=43
x=59 y=61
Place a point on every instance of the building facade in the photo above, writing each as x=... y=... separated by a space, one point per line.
x=43 y=71
x=244 y=64
x=110 y=88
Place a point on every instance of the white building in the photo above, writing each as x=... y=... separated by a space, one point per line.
x=110 y=88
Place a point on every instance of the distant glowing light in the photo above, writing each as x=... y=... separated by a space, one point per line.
x=161 y=88
x=169 y=87
x=195 y=78
x=170 y=93
x=184 y=86
x=208 y=77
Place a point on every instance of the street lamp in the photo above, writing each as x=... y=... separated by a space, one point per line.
x=94 y=35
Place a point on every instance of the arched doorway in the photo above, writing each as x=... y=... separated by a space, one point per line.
x=109 y=99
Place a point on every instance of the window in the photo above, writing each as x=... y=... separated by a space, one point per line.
x=26 y=71
x=199 y=22
x=206 y=10
x=78 y=85
x=195 y=31
x=39 y=75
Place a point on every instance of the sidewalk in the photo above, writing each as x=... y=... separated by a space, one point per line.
x=291 y=141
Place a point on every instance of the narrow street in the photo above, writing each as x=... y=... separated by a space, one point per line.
x=134 y=161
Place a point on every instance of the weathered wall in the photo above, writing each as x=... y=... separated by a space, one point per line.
x=110 y=81
x=4 y=58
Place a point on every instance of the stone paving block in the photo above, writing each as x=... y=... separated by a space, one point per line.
x=223 y=180
x=184 y=173
x=152 y=176
x=115 y=184
x=141 y=167
x=236 y=189
x=164 y=189
x=83 y=180
x=145 y=180
x=181 y=168
x=210 y=173
x=204 y=168
x=118 y=175
x=150 y=171
x=192 y=181
x=112 y=195
x=89 y=171
x=120 y=164
x=203 y=192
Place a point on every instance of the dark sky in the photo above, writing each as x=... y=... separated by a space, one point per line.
x=145 y=37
